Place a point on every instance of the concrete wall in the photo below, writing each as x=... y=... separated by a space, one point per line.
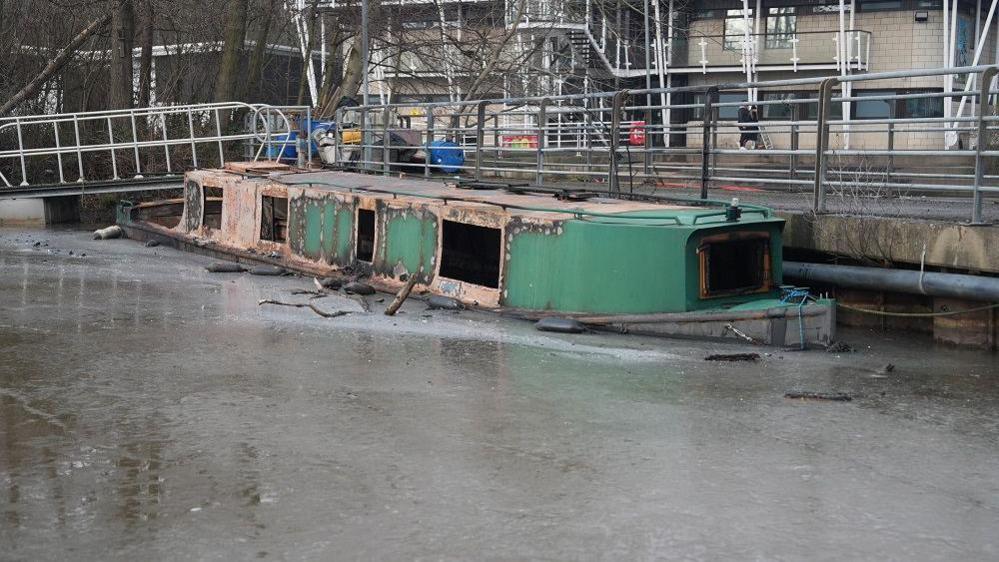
x=39 y=212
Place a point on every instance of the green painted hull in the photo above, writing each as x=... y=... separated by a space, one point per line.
x=601 y=258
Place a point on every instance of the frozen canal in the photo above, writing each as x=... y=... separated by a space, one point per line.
x=151 y=410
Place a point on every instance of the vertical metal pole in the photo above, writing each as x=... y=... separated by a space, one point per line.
x=795 y=138
x=166 y=144
x=20 y=150
x=135 y=145
x=79 y=149
x=984 y=86
x=114 y=159
x=429 y=141
x=539 y=175
x=194 y=145
x=615 y=141
x=707 y=125
x=588 y=138
x=386 y=142
x=891 y=143
x=58 y=144
x=822 y=143
x=647 y=162
x=365 y=148
x=218 y=133
x=480 y=138
x=365 y=90
x=338 y=136
x=308 y=119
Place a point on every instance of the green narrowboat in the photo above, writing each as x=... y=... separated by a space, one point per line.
x=639 y=266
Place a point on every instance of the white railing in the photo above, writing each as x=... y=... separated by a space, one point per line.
x=136 y=143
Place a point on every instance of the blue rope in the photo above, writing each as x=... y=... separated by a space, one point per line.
x=790 y=294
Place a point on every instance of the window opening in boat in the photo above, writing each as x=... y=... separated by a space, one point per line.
x=365 y=235
x=735 y=265
x=471 y=253
x=274 y=218
x=212 y=205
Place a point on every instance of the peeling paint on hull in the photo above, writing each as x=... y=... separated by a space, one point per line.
x=527 y=253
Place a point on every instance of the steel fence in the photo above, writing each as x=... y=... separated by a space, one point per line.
x=101 y=146
x=825 y=136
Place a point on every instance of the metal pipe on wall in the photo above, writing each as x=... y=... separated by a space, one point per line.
x=950 y=285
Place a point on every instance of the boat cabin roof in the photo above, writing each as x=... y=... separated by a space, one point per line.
x=516 y=198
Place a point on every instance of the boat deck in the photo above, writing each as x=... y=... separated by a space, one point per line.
x=516 y=200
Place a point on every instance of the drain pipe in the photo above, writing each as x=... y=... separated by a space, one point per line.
x=951 y=285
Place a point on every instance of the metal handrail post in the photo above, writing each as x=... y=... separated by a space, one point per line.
x=613 y=182
x=218 y=130
x=539 y=176
x=983 y=104
x=308 y=136
x=588 y=137
x=647 y=161
x=386 y=142
x=58 y=144
x=166 y=144
x=194 y=146
x=365 y=149
x=429 y=141
x=891 y=150
x=822 y=143
x=20 y=149
x=795 y=140
x=79 y=148
x=135 y=145
x=114 y=159
x=480 y=138
x=338 y=136
x=707 y=137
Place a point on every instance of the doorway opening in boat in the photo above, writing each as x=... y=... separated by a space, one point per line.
x=365 y=235
x=212 y=204
x=471 y=253
x=274 y=218
x=735 y=264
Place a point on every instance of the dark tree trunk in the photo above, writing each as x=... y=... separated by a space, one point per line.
x=251 y=88
x=123 y=41
x=235 y=36
x=146 y=64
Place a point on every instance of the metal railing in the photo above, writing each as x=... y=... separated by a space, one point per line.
x=101 y=146
x=892 y=143
x=789 y=50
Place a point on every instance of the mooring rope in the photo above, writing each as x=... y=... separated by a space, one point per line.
x=916 y=314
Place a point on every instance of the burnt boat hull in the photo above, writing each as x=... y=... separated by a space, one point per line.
x=642 y=268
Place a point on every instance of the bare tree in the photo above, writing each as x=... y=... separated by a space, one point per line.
x=235 y=38
x=122 y=41
x=54 y=65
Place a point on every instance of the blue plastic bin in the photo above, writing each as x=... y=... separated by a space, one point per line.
x=446 y=156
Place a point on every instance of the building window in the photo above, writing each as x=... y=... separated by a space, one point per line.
x=736 y=27
x=782 y=25
x=920 y=108
x=880 y=5
x=872 y=109
x=777 y=112
x=811 y=110
x=726 y=112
